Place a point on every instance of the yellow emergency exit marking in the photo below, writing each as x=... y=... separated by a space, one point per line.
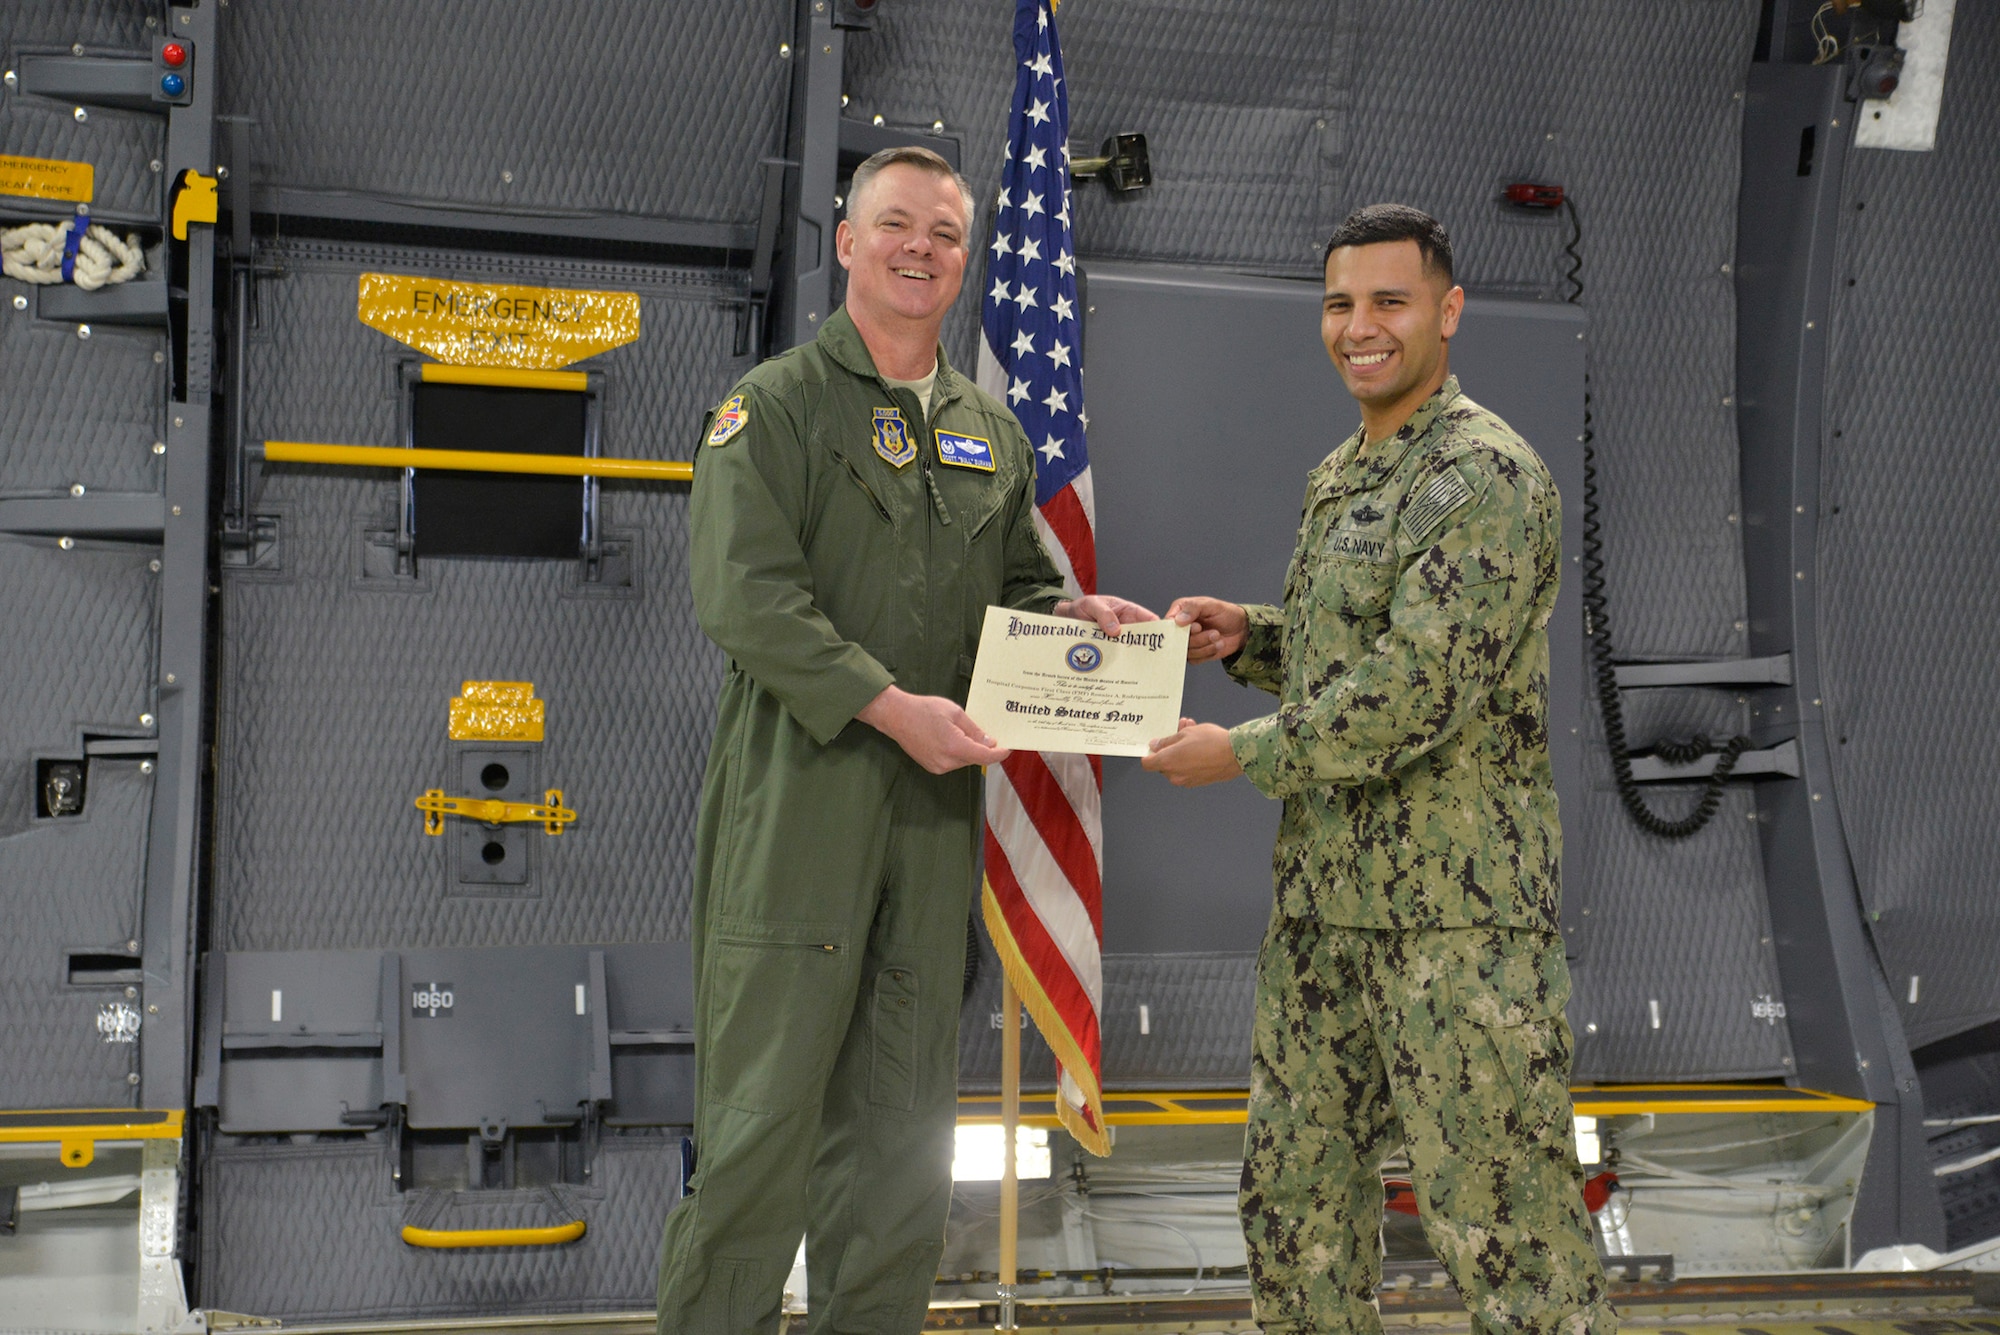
x=497 y=324
x=47 y=178
x=497 y=711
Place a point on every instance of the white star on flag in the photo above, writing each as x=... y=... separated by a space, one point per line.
x=1057 y=401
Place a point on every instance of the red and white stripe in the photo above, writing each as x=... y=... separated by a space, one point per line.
x=1044 y=891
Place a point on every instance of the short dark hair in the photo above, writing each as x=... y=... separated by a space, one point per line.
x=1377 y=223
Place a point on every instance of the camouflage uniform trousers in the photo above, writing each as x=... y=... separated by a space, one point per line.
x=1451 y=1043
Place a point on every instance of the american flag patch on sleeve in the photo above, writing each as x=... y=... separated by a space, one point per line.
x=1429 y=510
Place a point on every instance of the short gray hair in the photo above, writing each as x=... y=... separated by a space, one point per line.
x=909 y=155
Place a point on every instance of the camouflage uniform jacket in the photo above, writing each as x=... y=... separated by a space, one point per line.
x=1411 y=660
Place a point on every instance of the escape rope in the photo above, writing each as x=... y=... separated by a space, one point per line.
x=70 y=252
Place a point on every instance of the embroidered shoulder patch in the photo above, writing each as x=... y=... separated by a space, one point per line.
x=1428 y=510
x=730 y=418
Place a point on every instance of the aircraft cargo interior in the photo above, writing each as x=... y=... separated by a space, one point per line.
x=1060 y=665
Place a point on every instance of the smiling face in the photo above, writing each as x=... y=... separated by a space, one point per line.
x=1386 y=321
x=903 y=245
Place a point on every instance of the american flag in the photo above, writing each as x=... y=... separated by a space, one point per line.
x=1043 y=897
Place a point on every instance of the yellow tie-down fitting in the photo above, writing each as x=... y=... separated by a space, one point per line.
x=491 y=811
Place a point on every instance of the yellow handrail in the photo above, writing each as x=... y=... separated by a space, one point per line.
x=493 y=1237
x=473 y=461
x=1225 y=1107
x=77 y=1131
x=503 y=377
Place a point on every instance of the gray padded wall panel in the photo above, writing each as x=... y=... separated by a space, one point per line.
x=1268 y=121
x=1910 y=611
x=77 y=655
x=343 y=1257
x=103 y=27
x=619 y=106
x=334 y=690
x=1198 y=1014
x=75 y=410
x=1681 y=922
x=70 y=884
x=120 y=145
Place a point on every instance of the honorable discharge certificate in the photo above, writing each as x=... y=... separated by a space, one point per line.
x=1054 y=684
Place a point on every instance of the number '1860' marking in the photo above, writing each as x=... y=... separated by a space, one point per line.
x=431 y=1000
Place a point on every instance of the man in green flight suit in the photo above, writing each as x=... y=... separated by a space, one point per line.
x=856 y=507
x=1411 y=985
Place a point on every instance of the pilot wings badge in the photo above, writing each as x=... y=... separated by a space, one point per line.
x=892 y=437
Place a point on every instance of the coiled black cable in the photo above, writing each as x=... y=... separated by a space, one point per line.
x=1597 y=630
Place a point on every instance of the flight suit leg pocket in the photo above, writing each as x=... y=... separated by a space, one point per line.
x=893 y=1032
x=1509 y=1010
x=777 y=995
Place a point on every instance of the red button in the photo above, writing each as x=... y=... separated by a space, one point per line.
x=174 y=54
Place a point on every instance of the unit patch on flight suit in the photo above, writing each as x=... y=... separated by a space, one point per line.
x=892 y=437
x=962 y=451
x=730 y=418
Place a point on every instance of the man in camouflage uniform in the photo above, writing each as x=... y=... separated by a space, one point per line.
x=1410 y=988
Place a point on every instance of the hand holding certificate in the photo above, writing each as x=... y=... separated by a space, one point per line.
x=1044 y=683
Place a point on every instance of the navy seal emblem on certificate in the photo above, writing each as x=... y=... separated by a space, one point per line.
x=1084 y=658
x=892 y=437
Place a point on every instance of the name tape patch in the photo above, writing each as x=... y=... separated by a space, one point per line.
x=961 y=451
x=1360 y=546
x=730 y=418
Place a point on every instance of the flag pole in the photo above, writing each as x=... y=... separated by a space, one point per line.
x=1010 y=1122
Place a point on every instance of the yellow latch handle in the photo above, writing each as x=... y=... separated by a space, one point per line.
x=491 y=811
x=494 y=1237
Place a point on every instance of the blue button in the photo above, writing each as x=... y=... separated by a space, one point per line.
x=173 y=85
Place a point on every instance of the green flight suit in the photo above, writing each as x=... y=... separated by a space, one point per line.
x=835 y=551
x=1410 y=989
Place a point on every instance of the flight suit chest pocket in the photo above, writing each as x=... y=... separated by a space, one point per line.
x=853 y=493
